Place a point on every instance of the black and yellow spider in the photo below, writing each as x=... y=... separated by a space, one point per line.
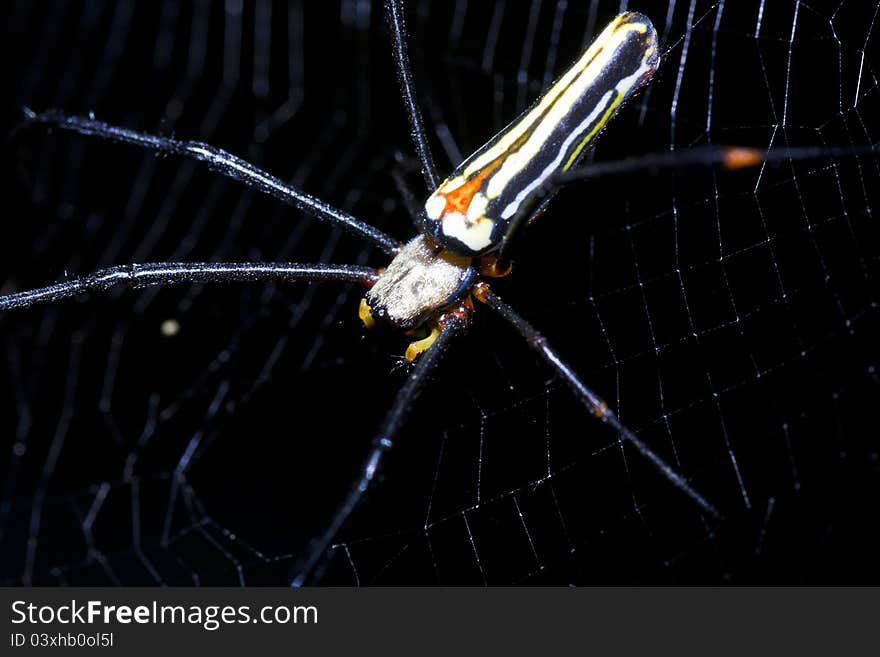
x=468 y=228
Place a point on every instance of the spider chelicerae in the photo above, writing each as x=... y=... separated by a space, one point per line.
x=433 y=281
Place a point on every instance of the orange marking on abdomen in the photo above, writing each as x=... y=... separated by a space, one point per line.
x=459 y=199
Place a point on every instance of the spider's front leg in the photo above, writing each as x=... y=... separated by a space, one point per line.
x=224 y=163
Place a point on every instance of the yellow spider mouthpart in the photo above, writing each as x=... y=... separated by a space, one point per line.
x=366 y=314
x=415 y=349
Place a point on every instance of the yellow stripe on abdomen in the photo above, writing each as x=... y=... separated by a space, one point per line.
x=471 y=210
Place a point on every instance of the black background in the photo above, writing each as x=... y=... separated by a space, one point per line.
x=780 y=288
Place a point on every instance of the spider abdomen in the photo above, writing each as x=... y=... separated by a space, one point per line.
x=472 y=210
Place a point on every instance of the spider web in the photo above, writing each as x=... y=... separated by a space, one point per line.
x=203 y=435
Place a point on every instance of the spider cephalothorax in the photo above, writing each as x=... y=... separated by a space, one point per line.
x=421 y=279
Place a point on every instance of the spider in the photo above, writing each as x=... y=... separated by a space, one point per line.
x=469 y=229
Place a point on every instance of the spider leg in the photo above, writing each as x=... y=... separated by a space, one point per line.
x=225 y=163
x=595 y=404
x=532 y=207
x=453 y=325
x=170 y=273
x=397 y=24
x=729 y=158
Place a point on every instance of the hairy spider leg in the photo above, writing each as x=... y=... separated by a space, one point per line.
x=397 y=25
x=451 y=326
x=729 y=158
x=224 y=163
x=593 y=402
x=176 y=273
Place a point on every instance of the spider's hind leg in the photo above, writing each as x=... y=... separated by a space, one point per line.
x=593 y=402
x=222 y=162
